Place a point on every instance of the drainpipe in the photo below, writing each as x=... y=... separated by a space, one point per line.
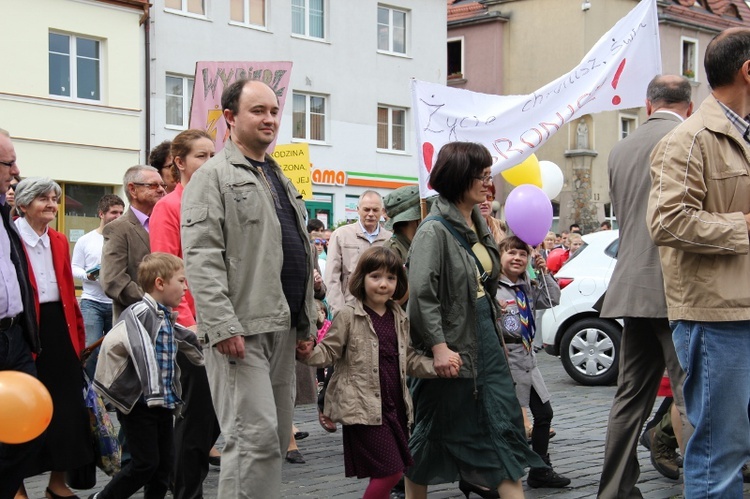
x=146 y=20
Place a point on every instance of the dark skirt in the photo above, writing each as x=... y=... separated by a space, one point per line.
x=459 y=435
x=381 y=450
x=67 y=441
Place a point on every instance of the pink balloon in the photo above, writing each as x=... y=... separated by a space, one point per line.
x=528 y=212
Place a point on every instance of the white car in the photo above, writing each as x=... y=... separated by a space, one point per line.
x=588 y=346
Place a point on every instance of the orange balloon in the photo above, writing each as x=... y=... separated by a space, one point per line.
x=25 y=407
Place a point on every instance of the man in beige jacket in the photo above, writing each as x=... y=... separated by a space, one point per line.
x=350 y=241
x=698 y=213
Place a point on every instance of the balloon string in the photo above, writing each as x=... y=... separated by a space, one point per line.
x=546 y=290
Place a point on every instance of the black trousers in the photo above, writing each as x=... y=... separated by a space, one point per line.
x=149 y=432
x=195 y=431
x=16 y=459
x=542 y=414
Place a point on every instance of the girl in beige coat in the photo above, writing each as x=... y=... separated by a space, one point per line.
x=368 y=344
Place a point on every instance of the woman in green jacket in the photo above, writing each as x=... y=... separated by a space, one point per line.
x=467 y=424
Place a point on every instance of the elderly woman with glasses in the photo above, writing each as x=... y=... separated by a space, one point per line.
x=67 y=442
x=495 y=225
x=467 y=422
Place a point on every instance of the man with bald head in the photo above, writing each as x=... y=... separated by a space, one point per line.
x=699 y=216
x=250 y=264
x=636 y=292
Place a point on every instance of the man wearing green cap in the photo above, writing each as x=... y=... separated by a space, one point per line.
x=403 y=211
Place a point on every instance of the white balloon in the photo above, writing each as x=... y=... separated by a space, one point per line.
x=552 y=178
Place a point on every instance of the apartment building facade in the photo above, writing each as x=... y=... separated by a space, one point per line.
x=349 y=94
x=517 y=46
x=71 y=96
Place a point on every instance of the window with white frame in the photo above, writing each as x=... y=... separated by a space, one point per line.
x=74 y=67
x=392 y=25
x=609 y=214
x=456 y=58
x=689 y=55
x=391 y=128
x=309 y=117
x=308 y=18
x=628 y=124
x=197 y=7
x=179 y=92
x=251 y=12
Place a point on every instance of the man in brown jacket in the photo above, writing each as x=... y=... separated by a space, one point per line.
x=126 y=239
x=699 y=215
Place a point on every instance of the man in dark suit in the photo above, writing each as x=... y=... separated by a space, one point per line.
x=126 y=239
x=19 y=336
x=636 y=292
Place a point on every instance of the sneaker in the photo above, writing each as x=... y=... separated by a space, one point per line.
x=664 y=459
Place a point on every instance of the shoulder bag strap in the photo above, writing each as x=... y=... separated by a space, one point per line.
x=483 y=275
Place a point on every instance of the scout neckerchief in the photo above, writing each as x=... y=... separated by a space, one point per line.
x=526 y=317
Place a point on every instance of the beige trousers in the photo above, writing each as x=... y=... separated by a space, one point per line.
x=254 y=402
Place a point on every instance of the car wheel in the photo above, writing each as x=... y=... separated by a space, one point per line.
x=590 y=351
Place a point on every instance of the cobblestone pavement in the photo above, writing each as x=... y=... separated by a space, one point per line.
x=577 y=452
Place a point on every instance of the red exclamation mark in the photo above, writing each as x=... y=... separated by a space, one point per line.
x=616 y=99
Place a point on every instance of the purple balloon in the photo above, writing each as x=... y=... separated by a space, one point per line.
x=528 y=212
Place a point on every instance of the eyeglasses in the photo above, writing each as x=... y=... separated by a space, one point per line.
x=490 y=197
x=486 y=179
x=12 y=187
x=153 y=185
x=9 y=164
x=319 y=241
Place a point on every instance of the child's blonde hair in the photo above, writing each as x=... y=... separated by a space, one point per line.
x=574 y=235
x=376 y=258
x=156 y=265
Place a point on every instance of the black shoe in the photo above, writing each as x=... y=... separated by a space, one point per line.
x=546 y=477
x=51 y=495
x=468 y=487
x=301 y=435
x=295 y=457
x=214 y=460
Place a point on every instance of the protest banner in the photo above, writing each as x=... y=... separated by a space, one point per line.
x=294 y=160
x=211 y=78
x=613 y=75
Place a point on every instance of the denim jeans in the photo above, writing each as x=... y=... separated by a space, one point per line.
x=97 y=319
x=717 y=398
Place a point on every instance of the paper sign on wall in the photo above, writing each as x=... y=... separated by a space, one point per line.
x=294 y=160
